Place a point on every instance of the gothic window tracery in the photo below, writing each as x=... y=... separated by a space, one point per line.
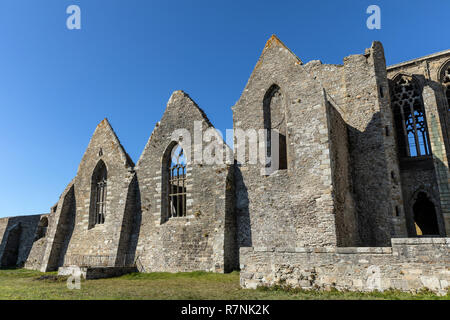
x=177 y=183
x=99 y=193
x=409 y=113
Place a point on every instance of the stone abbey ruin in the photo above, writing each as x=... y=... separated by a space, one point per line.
x=361 y=199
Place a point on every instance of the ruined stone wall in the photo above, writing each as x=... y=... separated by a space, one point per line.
x=417 y=174
x=199 y=240
x=17 y=236
x=372 y=148
x=37 y=251
x=409 y=265
x=292 y=207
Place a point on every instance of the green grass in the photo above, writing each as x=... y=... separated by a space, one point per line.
x=27 y=284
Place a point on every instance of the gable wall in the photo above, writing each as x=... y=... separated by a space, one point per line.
x=99 y=244
x=292 y=207
x=197 y=241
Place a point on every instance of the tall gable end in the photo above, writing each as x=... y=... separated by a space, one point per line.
x=180 y=102
x=105 y=143
x=181 y=113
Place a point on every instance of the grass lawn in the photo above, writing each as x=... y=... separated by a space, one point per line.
x=26 y=284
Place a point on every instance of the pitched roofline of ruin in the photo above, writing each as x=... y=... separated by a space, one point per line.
x=274 y=39
x=129 y=161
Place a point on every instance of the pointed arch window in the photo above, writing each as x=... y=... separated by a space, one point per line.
x=445 y=80
x=177 y=183
x=410 y=120
x=275 y=123
x=99 y=194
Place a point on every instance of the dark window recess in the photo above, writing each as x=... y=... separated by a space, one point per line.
x=410 y=121
x=275 y=121
x=99 y=184
x=177 y=183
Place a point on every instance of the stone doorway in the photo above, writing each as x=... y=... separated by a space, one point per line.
x=425 y=219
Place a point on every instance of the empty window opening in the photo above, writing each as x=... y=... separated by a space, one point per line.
x=275 y=123
x=425 y=219
x=409 y=113
x=177 y=183
x=99 y=193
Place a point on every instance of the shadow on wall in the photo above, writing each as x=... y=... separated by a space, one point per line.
x=11 y=245
x=370 y=186
x=17 y=241
x=63 y=232
x=231 y=250
x=244 y=232
x=131 y=226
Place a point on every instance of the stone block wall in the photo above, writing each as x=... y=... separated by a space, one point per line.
x=408 y=265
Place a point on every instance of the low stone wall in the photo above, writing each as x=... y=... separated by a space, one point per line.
x=409 y=265
x=36 y=255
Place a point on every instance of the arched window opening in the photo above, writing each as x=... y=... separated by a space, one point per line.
x=275 y=122
x=425 y=219
x=177 y=183
x=410 y=121
x=98 y=197
x=445 y=80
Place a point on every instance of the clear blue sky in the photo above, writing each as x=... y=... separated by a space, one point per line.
x=57 y=84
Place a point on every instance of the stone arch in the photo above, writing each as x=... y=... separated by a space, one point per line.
x=409 y=116
x=98 y=203
x=275 y=120
x=424 y=210
x=173 y=182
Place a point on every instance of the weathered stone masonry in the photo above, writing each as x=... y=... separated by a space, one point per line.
x=361 y=200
